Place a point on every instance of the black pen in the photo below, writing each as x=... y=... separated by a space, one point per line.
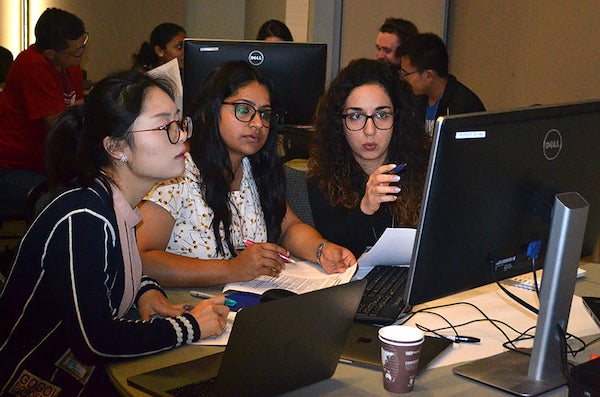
x=465 y=339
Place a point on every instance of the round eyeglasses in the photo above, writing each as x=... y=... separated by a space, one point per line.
x=245 y=112
x=357 y=121
x=174 y=128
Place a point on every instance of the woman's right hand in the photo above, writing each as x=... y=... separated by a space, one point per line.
x=258 y=259
x=378 y=189
x=211 y=315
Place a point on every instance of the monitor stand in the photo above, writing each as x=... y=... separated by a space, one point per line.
x=521 y=374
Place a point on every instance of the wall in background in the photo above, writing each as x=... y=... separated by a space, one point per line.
x=361 y=22
x=517 y=53
x=117 y=28
x=513 y=53
x=259 y=11
x=208 y=19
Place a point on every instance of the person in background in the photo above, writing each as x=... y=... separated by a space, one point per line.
x=166 y=43
x=44 y=80
x=6 y=59
x=274 y=30
x=392 y=35
x=226 y=219
x=364 y=128
x=77 y=272
x=424 y=66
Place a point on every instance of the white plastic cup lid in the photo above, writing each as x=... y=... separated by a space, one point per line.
x=403 y=334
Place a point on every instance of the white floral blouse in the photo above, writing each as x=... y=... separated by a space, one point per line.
x=192 y=234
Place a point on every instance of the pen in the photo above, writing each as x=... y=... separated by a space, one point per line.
x=202 y=295
x=465 y=339
x=285 y=258
x=397 y=169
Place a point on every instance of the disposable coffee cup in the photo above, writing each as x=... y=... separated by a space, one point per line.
x=400 y=351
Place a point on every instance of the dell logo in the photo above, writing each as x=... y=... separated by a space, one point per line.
x=256 y=58
x=552 y=144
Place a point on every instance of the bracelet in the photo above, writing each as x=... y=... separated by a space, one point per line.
x=320 y=250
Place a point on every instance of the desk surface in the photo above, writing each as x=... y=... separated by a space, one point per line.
x=351 y=380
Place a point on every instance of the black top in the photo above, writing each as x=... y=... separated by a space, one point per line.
x=456 y=99
x=60 y=304
x=352 y=229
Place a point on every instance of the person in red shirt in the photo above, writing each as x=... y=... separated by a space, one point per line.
x=43 y=81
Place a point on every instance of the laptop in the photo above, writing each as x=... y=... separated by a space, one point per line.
x=362 y=348
x=274 y=347
x=592 y=305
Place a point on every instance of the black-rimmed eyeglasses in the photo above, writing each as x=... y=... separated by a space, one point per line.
x=245 y=112
x=174 y=128
x=357 y=121
x=403 y=74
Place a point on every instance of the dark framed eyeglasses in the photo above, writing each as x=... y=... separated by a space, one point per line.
x=357 y=121
x=174 y=128
x=78 y=53
x=245 y=112
x=404 y=74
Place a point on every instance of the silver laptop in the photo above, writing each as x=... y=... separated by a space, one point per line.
x=592 y=305
x=274 y=347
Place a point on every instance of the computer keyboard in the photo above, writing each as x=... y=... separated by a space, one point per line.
x=383 y=299
x=197 y=389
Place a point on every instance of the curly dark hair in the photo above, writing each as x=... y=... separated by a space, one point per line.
x=210 y=154
x=332 y=165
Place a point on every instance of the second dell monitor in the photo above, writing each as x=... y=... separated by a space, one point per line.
x=296 y=69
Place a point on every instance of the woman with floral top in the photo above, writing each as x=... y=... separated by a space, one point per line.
x=226 y=218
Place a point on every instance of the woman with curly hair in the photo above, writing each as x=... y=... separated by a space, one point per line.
x=226 y=218
x=365 y=127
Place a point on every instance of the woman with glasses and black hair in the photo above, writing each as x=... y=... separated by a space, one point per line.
x=226 y=219
x=77 y=271
x=368 y=157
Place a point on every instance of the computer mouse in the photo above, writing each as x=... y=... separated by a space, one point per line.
x=275 y=293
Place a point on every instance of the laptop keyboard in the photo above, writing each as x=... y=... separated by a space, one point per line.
x=197 y=389
x=383 y=299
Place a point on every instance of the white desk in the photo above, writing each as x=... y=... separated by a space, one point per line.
x=356 y=381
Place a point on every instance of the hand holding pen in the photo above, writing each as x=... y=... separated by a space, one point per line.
x=284 y=257
x=257 y=259
x=382 y=187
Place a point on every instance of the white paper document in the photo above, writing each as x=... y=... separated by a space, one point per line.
x=299 y=277
x=394 y=247
x=170 y=70
x=223 y=338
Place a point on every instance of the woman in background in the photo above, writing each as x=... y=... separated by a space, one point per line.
x=274 y=30
x=166 y=43
x=77 y=271
x=226 y=219
x=365 y=127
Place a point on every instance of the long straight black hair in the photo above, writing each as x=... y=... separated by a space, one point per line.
x=210 y=153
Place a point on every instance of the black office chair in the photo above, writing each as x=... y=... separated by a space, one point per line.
x=297 y=195
x=37 y=199
x=6 y=59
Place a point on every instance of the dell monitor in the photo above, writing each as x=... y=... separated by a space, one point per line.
x=495 y=187
x=297 y=71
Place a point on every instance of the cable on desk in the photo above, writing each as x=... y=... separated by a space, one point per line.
x=533 y=249
x=510 y=343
